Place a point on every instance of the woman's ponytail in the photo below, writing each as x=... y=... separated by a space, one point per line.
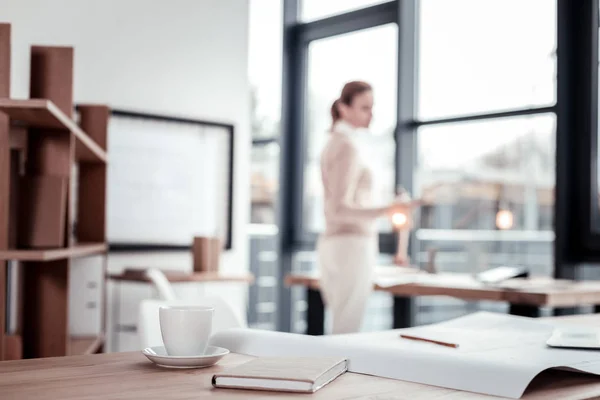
x=335 y=112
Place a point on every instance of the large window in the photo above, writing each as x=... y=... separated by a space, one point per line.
x=490 y=190
x=480 y=56
x=331 y=63
x=477 y=84
x=361 y=44
x=486 y=138
x=264 y=73
x=472 y=171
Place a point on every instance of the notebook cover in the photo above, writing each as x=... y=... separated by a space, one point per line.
x=301 y=369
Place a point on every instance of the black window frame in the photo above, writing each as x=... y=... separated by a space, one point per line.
x=297 y=36
x=577 y=220
x=302 y=34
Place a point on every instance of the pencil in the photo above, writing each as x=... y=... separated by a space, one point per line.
x=453 y=345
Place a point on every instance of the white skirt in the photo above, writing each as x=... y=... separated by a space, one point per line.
x=346 y=264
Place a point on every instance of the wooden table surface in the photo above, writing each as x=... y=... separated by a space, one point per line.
x=535 y=291
x=131 y=376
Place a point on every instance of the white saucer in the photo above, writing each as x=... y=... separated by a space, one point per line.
x=159 y=356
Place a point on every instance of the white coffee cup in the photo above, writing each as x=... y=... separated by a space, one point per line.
x=186 y=329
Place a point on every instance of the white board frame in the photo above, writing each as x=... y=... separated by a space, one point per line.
x=230 y=131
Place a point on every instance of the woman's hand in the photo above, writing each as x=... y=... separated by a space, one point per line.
x=401 y=260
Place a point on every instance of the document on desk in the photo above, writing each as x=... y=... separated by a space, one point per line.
x=391 y=281
x=386 y=277
x=497 y=354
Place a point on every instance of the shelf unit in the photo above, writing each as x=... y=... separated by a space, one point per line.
x=41 y=113
x=77 y=250
x=52 y=201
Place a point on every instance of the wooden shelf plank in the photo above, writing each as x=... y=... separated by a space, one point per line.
x=41 y=113
x=80 y=345
x=138 y=275
x=78 y=250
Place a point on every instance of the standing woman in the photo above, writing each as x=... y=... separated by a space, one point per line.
x=348 y=248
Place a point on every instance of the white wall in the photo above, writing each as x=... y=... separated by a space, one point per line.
x=181 y=57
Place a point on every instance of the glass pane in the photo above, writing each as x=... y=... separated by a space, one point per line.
x=317 y=9
x=264 y=71
x=480 y=56
x=264 y=183
x=264 y=66
x=489 y=186
x=332 y=63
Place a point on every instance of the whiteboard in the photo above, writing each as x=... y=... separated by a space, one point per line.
x=169 y=179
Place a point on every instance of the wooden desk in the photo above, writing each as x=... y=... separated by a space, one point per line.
x=525 y=296
x=131 y=376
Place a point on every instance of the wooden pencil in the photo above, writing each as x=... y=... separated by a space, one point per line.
x=453 y=345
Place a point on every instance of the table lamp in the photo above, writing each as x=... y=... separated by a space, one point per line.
x=399 y=220
x=504 y=219
x=402 y=223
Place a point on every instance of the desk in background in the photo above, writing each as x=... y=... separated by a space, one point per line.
x=524 y=296
x=131 y=376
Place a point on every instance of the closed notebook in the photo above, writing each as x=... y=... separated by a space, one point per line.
x=287 y=374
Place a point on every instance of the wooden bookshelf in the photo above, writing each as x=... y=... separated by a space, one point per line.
x=41 y=113
x=78 y=250
x=52 y=202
